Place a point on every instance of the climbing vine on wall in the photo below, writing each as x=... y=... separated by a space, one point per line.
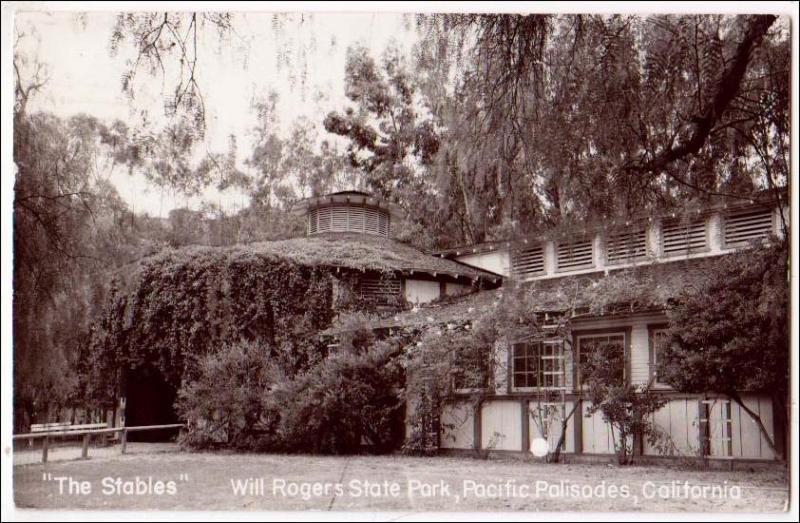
x=181 y=304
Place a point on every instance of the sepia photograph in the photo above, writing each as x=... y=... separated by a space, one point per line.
x=403 y=260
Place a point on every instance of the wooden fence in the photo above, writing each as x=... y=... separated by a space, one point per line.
x=87 y=435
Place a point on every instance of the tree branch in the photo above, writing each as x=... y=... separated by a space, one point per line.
x=726 y=89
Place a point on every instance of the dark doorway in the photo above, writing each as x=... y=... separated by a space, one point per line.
x=149 y=401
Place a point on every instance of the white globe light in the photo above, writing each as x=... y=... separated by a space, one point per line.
x=539 y=447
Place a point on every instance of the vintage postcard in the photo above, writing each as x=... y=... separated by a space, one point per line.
x=383 y=261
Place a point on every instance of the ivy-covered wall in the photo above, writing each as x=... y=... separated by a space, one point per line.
x=178 y=305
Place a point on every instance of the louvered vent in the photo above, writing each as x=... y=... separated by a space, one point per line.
x=356 y=222
x=575 y=255
x=324 y=223
x=528 y=262
x=626 y=247
x=339 y=219
x=680 y=238
x=371 y=217
x=745 y=225
x=348 y=218
x=383 y=224
x=312 y=222
x=380 y=291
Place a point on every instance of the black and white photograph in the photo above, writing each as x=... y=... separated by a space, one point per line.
x=402 y=260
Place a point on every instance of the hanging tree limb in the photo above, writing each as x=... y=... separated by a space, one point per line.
x=724 y=92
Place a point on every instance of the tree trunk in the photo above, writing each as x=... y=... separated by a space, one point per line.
x=557 y=453
x=467 y=211
x=755 y=417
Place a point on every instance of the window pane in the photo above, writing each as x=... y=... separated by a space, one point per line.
x=588 y=345
x=659 y=338
x=537 y=364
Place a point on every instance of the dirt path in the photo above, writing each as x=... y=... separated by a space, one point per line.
x=71 y=453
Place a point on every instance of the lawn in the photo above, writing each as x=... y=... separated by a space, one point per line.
x=387 y=483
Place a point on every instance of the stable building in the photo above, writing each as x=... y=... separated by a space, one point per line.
x=537 y=384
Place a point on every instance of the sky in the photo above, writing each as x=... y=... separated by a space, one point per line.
x=84 y=77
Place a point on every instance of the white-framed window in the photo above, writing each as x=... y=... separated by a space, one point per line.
x=537 y=364
x=716 y=427
x=658 y=337
x=587 y=344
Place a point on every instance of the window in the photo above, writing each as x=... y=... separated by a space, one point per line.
x=681 y=238
x=538 y=364
x=528 y=262
x=572 y=256
x=626 y=247
x=588 y=344
x=658 y=336
x=743 y=226
x=716 y=428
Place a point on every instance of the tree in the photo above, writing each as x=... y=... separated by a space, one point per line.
x=70 y=227
x=556 y=119
x=730 y=335
x=466 y=360
x=627 y=408
x=166 y=44
x=513 y=122
x=386 y=129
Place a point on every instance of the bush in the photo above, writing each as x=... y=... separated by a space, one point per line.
x=241 y=398
x=731 y=334
x=225 y=404
x=350 y=398
x=626 y=407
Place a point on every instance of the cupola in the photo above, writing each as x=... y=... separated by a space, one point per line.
x=347 y=211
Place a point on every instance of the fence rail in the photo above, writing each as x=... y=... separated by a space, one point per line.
x=88 y=433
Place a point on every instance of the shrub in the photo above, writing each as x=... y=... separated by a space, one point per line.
x=626 y=407
x=731 y=334
x=350 y=398
x=224 y=405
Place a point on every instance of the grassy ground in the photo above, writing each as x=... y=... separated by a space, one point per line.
x=203 y=481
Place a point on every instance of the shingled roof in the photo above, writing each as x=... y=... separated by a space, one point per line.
x=621 y=291
x=368 y=253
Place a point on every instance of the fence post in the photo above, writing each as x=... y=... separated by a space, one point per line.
x=45 y=444
x=85 y=449
x=124 y=440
